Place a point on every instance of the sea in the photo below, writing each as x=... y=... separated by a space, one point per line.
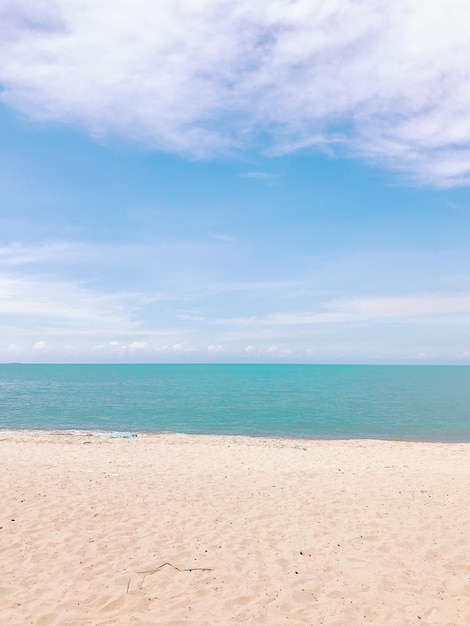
x=420 y=403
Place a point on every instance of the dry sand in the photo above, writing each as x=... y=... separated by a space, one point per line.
x=175 y=529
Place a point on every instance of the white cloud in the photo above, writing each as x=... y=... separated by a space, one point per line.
x=124 y=349
x=137 y=345
x=422 y=305
x=40 y=345
x=359 y=309
x=385 y=80
x=272 y=350
x=259 y=175
x=36 y=298
x=17 y=254
x=190 y=316
x=11 y=352
x=215 y=349
x=181 y=347
x=253 y=286
x=223 y=237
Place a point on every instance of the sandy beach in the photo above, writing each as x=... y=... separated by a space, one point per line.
x=177 y=529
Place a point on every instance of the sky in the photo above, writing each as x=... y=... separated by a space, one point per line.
x=228 y=181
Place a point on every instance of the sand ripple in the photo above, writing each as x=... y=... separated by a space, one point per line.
x=251 y=531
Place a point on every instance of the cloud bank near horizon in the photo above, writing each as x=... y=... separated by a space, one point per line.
x=47 y=318
x=385 y=82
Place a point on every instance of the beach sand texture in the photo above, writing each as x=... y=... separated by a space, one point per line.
x=176 y=529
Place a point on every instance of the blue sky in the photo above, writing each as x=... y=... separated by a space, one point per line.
x=285 y=182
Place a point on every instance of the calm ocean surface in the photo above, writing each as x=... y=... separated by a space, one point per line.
x=428 y=403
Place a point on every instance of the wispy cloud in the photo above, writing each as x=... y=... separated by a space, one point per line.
x=245 y=286
x=132 y=265
x=360 y=309
x=190 y=316
x=18 y=253
x=223 y=237
x=386 y=81
x=42 y=301
x=422 y=305
x=259 y=175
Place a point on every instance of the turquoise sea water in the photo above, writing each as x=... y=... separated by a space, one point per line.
x=428 y=403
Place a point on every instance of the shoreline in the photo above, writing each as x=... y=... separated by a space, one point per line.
x=208 y=529
x=9 y=432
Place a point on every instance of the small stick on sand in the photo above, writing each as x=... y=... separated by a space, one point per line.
x=189 y=569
